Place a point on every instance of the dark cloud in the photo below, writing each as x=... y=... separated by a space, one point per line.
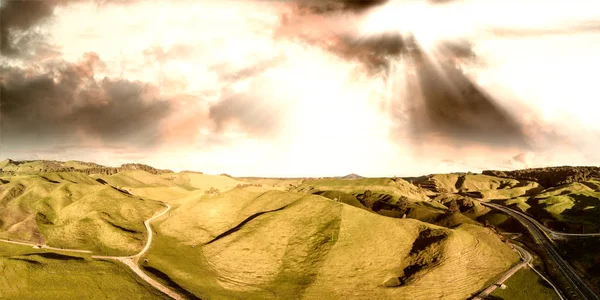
x=254 y=112
x=448 y=103
x=66 y=104
x=20 y=35
x=257 y=109
x=442 y=101
x=17 y=19
x=333 y=6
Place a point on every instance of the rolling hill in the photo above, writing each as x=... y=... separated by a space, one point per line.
x=269 y=238
x=277 y=244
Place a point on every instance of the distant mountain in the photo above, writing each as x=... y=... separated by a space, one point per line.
x=351 y=176
x=10 y=166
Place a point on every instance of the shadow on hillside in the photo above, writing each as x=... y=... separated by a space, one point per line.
x=170 y=283
x=102 y=181
x=49 y=180
x=26 y=260
x=426 y=238
x=584 y=201
x=55 y=256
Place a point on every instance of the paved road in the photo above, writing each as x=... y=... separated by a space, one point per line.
x=551 y=233
x=525 y=260
x=577 y=288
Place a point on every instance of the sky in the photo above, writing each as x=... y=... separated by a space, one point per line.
x=302 y=87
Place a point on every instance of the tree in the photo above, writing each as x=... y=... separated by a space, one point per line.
x=453 y=206
x=403 y=204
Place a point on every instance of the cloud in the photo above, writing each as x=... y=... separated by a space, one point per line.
x=439 y=100
x=65 y=103
x=456 y=108
x=253 y=111
x=17 y=21
x=20 y=32
x=333 y=6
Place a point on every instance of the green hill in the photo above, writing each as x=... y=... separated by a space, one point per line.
x=83 y=214
x=246 y=245
x=481 y=186
x=395 y=187
x=29 y=273
x=572 y=207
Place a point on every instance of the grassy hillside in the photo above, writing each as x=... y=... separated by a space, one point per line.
x=395 y=187
x=73 y=211
x=168 y=187
x=571 y=207
x=246 y=245
x=483 y=186
x=525 y=285
x=137 y=178
x=29 y=273
x=265 y=238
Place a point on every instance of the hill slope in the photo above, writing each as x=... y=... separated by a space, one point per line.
x=82 y=214
x=245 y=245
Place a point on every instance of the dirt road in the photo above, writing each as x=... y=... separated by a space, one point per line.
x=132 y=261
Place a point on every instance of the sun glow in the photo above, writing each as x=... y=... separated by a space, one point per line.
x=426 y=22
x=303 y=77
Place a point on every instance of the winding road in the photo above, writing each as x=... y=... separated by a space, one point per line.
x=576 y=287
x=549 y=232
x=130 y=261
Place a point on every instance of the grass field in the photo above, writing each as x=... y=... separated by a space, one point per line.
x=525 y=285
x=29 y=273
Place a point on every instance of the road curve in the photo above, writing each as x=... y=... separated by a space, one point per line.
x=132 y=260
x=577 y=288
x=551 y=233
x=525 y=260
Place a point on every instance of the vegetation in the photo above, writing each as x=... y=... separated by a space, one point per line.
x=29 y=273
x=252 y=238
x=553 y=176
x=210 y=244
x=73 y=211
x=525 y=285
